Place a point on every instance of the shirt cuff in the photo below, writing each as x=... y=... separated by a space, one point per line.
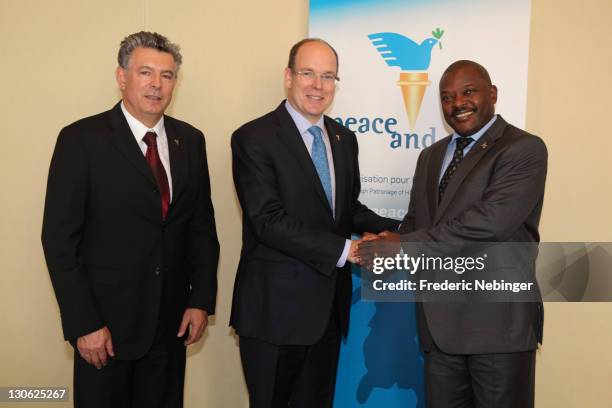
x=342 y=261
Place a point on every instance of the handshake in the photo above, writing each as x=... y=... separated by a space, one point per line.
x=371 y=246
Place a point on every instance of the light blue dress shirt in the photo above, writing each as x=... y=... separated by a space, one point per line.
x=450 y=150
x=303 y=125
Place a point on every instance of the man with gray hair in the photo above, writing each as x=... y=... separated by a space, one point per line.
x=130 y=239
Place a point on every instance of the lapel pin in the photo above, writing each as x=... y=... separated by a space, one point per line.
x=338 y=137
x=176 y=142
x=484 y=145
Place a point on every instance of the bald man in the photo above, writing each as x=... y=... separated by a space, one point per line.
x=297 y=178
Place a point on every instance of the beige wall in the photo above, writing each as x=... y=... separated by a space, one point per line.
x=57 y=65
x=569 y=89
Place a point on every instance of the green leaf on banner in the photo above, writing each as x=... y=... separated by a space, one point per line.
x=438 y=33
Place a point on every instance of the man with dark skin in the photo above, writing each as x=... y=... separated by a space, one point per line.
x=485 y=183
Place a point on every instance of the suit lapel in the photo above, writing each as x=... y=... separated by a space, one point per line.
x=335 y=141
x=178 y=161
x=123 y=139
x=477 y=152
x=435 y=164
x=290 y=136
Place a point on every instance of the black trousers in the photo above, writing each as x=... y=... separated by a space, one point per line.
x=479 y=380
x=295 y=375
x=153 y=381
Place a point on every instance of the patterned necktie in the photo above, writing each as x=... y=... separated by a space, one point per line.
x=461 y=143
x=157 y=168
x=319 y=158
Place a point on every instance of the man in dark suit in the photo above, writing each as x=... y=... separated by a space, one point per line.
x=483 y=183
x=297 y=177
x=129 y=237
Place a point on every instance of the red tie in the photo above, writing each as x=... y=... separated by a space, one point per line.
x=157 y=168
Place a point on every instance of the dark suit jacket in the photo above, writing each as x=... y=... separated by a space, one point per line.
x=112 y=259
x=495 y=195
x=287 y=277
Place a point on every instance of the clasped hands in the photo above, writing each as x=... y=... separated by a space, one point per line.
x=371 y=246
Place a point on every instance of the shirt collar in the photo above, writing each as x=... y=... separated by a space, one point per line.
x=138 y=128
x=478 y=134
x=300 y=121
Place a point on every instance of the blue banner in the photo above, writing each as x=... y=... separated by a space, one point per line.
x=391 y=56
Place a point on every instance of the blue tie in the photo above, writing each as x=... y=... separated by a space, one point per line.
x=319 y=158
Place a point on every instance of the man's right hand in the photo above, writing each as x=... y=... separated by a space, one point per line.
x=95 y=347
x=352 y=255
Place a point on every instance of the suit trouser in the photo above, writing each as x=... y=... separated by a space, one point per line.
x=303 y=376
x=155 y=380
x=479 y=380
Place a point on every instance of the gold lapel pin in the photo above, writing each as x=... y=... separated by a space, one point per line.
x=338 y=137
x=176 y=141
x=484 y=145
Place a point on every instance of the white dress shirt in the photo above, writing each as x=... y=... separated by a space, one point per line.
x=139 y=131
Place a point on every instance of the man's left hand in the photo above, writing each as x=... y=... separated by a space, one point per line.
x=196 y=320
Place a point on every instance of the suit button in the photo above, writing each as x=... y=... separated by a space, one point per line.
x=156 y=190
x=157 y=271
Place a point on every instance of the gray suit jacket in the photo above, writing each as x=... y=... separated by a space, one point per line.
x=495 y=195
